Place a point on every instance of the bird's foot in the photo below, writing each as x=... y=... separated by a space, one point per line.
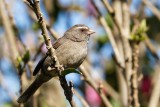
x=50 y=68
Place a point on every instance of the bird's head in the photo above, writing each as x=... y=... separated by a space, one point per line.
x=79 y=33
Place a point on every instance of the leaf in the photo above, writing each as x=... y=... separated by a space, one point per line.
x=109 y=21
x=70 y=70
x=19 y=59
x=140 y=33
x=140 y=37
x=8 y=105
x=35 y=26
x=20 y=64
x=115 y=103
x=101 y=41
x=26 y=56
x=143 y=26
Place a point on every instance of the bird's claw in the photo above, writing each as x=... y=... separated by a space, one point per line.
x=60 y=68
x=50 y=68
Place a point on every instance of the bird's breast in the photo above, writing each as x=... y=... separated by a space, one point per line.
x=72 y=54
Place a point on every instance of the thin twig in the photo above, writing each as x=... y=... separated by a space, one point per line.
x=38 y=51
x=9 y=32
x=134 y=76
x=122 y=87
x=44 y=31
x=68 y=90
x=121 y=22
x=152 y=7
x=126 y=45
x=108 y=7
x=85 y=104
x=5 y=87
x=52 y=31
x=106 y=86
x=110 y=91
x=29 y=3
x=93 y=84
x=151 y=48
x=110 y=34
x=155 y=95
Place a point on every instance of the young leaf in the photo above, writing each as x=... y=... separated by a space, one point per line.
x=26 y=56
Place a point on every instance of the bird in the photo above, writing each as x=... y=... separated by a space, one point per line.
x=71 y=50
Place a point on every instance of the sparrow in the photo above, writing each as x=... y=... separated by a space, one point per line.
x=71 y=50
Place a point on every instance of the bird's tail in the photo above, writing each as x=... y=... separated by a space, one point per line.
x=32 y=89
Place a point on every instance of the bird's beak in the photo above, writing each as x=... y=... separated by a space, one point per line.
x=90 y=31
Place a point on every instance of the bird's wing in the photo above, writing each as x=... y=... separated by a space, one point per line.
x=39 y=65
x=58 y=42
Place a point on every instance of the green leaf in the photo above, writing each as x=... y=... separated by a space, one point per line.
x=140 y=33
x=19 y=59
x=20 y=64
x=70 y=70
x=101 y=41
x=115 y=103
x=8 y=105
x=26 y=56
x=143 y=26
x=139 y=37
x=109 y=21
x=35 y=26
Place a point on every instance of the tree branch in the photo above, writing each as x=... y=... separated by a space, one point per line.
x=93 y=84
x=152 y=7
x=134 y=76
x=85 y=104
x=9 y=32
x=155 y=95
x=110 y=34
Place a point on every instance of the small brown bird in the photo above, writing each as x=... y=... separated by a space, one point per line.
x=71 y=50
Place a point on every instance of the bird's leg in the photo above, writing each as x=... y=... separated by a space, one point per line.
x=60 y=68
x=50 y=68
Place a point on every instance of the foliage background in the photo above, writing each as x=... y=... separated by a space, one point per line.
x=61 y=15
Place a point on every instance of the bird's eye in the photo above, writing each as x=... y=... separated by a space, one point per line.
x=82 y=30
